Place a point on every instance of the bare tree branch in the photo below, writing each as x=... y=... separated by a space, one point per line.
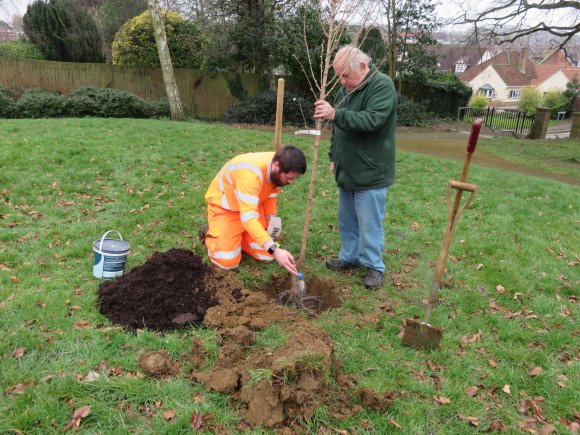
x=509 y=20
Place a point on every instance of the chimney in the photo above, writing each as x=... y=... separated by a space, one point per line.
x=524 y=59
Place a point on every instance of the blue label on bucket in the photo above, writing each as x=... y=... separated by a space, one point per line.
x=114 y=264
x=97 y=258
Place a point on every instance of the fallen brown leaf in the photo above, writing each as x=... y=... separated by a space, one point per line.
x=196 y=421
x=472 y=420
x=198 y=398
x=394 y=423
x=18 y=352
x=506 y=389
x=79 y=414
x=496 y=426
x=81 y=324
x=547 y=429
x=441 y=400
x=471 y=391
x=535 y=371
x=169 y=414
x=473 y=338
x=18 y=389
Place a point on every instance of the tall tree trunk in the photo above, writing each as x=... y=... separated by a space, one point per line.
x=392 y=15
x=175 y=104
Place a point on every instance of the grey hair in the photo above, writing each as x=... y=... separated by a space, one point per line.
x=353 y=56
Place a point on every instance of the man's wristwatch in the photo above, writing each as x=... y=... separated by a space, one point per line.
x=272 y=248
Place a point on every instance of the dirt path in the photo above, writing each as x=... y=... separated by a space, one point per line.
x=452 y=145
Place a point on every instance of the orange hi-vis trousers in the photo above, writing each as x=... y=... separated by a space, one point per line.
x=226 y=238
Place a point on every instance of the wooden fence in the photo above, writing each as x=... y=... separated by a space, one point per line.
x=204 y=94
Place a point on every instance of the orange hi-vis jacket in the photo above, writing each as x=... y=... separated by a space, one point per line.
x=243 y=186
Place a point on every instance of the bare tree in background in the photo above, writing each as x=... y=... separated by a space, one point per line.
x=8 y=7
x=506 y=21
x=175 y=104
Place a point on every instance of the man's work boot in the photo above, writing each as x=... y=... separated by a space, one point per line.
x=202 y=233
x=374 y=278
x=336 y=265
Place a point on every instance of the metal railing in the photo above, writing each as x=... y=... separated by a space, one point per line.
x=497 y=119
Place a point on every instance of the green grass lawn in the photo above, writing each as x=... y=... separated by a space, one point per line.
x=555 y=156
x=508 y=359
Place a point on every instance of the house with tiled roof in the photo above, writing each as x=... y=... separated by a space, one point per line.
x=554 y=78
x=503 y=77
x=556 y=57
x=457 y=58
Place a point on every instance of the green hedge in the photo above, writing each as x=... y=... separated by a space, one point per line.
x=261 y=110
x=20 y=50
x=39 y=103
x=409 y=113
x=7 y=105
x=88 y=101
x=442 y=94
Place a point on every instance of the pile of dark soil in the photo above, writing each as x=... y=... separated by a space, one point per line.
x=168 y=292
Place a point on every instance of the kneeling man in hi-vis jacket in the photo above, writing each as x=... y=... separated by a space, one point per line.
x=241 y=207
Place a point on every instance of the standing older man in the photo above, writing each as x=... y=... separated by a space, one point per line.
x=362 y=157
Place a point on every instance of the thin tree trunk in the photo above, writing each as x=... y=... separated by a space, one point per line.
x=392 y=39
x=175 y=104
x=330 y=46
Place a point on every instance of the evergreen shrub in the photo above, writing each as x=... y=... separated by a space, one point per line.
x=20 y=50
x=556 y=101
x=159 y=109
x=409 y=113
x=530 y=100
x=105 y=103
x=441 y=94
x=298 y=111
x=87 y=101
x=39 y=103
x=478 y=102
x=7 y=104
x=134 y=43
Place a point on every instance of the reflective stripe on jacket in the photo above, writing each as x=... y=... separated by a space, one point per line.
x=242 y=186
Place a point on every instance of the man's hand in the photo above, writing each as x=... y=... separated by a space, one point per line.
x=332 y=167
x=323 y=110
x=286 y=260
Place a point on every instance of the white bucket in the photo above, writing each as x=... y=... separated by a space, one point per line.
x=110 y=256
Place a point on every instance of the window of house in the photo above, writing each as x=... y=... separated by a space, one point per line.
x=487 y=93
x=459 y=67
x=515 y=94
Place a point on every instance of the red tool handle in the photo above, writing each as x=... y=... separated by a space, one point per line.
x=475 y=129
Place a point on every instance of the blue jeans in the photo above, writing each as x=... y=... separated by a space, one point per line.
x=360 y=222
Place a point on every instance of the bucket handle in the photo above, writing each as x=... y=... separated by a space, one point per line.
x=105 y=235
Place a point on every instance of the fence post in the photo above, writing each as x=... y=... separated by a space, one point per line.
x=575 y=129
x=540 y=125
